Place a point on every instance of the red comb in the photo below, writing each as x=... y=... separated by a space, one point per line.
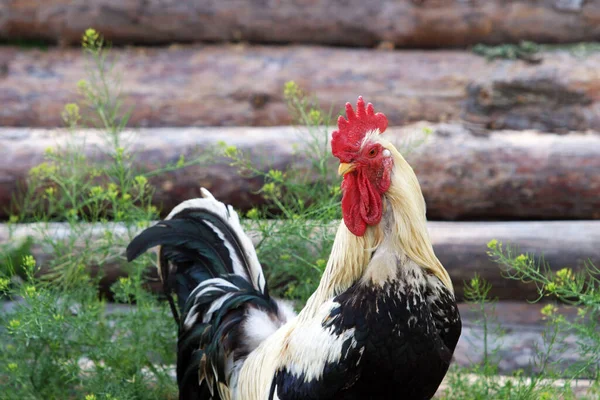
x=345 y=141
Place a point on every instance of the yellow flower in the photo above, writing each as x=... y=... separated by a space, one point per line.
x=276 y=175
x=50 y=191
x=43 y=170
x=141 y=224
x=82 y=85
x=12 y=367
x=90 y=397
x=96 y=191
x=268 y=188
x=252 y=213
x=230 y=151
x=30 y=291
x=141 y=180
x=113 y=191
x=91 y=39
x=565 y=274
x=291 y=89
x=91 y=34
x=14 y=324
x=315 y=116
x=492 y=244
x=521 y=259
x=4 y=282
x=70 y=114
x=548 y=310
x=29 y=261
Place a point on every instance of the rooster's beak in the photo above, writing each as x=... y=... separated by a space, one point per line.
x=344 y=168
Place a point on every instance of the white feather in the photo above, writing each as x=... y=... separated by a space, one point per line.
x=210 y=285
x=214 y=306
x=228 y=214
x=235 y=259
x=311 y=347
x=286 y=310
x=258 y=326
x=190 y=319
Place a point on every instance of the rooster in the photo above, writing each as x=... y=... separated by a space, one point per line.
x=382 y=324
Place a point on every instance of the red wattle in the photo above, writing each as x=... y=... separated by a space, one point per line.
x=361 y=203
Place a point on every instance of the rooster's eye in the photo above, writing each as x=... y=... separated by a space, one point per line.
x=373 y=152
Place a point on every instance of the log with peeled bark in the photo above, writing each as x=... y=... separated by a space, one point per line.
x=243 y=85
x=416 y=23
x=504 y=175
x=460 y=246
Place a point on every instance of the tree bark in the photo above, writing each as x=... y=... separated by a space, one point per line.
x=416 y=23
x=504 y=175
x=460 y=246
x=243 y=86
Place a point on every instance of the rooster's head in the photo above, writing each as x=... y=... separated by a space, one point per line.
x=366 y=165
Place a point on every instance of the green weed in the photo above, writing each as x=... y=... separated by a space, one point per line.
x=62 y=339
x=576 y=288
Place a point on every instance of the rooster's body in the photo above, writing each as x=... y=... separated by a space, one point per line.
x=383 y=323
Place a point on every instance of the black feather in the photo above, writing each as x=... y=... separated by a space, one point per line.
x=195 y=246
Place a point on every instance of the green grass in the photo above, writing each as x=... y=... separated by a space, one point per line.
x=64 y=340
x=533 y=52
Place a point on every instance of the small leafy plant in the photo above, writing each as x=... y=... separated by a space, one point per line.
x=61 y=344
x=547 y=378
x=62 y=339
x=576 y=288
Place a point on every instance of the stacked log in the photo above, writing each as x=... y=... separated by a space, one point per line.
x=504 y=175
x=460 y=246
x=238 y=85
x=416 y=23
x=510 y=140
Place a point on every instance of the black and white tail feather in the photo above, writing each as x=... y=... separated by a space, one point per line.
x=225 y=310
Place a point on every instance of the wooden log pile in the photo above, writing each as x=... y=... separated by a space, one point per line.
x=416 y=23
x=504 y=175
x=238 y=85
x=460 y=246
x=511 y=140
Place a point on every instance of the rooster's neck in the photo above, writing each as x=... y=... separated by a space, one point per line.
x=400 y=236
x=349 y=259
